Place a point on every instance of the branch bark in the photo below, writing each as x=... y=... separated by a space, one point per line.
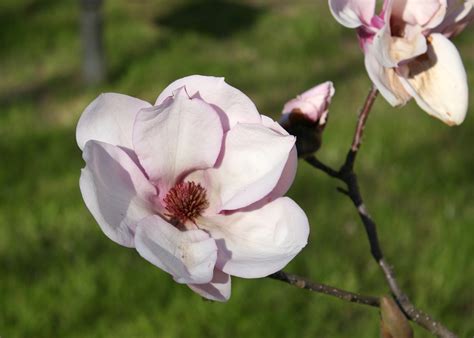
x=304 y=283
x=347 y=175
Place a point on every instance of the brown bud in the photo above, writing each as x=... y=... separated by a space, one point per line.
x=306 y=116
x=308 y=133
x=393 y=323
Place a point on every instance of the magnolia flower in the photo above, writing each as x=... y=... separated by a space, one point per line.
x=306 y=116
x=194 y=183
x=408 y=52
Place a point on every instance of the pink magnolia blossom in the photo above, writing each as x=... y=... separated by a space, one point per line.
x=313 y=103
x=194 y=183
x=307 y=115
x=408 y=52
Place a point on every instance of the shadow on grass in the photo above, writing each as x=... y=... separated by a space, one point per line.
x=21 y=25
x=38 y=89
x=216 y=18
x=35 y=157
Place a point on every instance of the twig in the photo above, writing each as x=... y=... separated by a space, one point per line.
x=304 y=283
x=364 y=114
x=347 y=175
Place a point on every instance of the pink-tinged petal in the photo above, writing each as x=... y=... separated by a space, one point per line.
x=313 y=103
x=287 y=177
x=458 y=17
x=206 y=178
x=303 y=106
x=203 y=178
x=233 y=105
x=115 y=191
x=189 y=256
x=385 y=79
x=438 y=81
x=260 y=242
x=109 y=118
x=176 y=137
x=218 y=289
x=289 y=171
x=352 y=13
x=286 y=180
x=380 y=47
x=253 y=162
x=378 y=75
x=365 y=36
x=425 y=13
x=272 y=124
x=382 y=40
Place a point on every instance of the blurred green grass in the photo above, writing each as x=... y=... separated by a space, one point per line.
x=61 y=277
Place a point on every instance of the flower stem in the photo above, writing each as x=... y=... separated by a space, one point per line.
x=362 y=120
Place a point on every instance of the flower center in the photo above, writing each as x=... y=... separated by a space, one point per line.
x=185 y=202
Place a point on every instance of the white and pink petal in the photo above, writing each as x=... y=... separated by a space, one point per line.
x=313 y=103
x=260 y=242
x=115 y=191
x=218 y=289
x=176 y=137
x=287 y=177
x=233 y=105
x=425 y=13
x=286 y=180
x=353 y=13
x=273 y=125
x=189 y=256
x=109 y=118
x=254 y=159
x=459 y=15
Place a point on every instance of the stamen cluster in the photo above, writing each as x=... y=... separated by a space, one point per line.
x=185 y=202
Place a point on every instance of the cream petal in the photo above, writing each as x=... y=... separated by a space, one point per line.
x=391 y=51
x=385 y=79
x=410 y=46
x=438 y=81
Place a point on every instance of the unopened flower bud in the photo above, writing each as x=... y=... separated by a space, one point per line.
x=393 y=323
x=306 y=116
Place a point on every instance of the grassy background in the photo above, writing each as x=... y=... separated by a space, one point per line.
x=61 y=277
